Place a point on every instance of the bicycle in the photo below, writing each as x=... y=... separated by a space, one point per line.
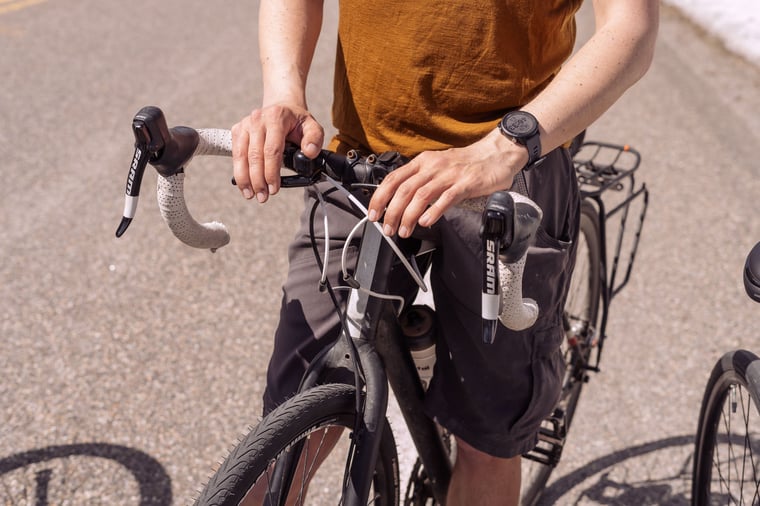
x=727 y=445
x=279 y=452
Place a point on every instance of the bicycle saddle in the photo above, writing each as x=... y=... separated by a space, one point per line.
x=752 y=273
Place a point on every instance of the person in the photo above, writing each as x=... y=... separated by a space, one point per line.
x=457 y=87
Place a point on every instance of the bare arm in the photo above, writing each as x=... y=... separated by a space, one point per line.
x=288 y=33
x=617 y=55
x=614 y=58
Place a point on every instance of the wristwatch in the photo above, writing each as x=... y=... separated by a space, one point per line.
x=522 y=127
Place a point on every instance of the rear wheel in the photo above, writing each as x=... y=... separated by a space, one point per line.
x=319 y=423
x=580 y=320
x=581 y=316
x=727 y=452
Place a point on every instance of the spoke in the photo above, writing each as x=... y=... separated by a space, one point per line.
x=347 y=468
x=747 y=447
x=269 y=482
x=740 y=481
x=732 y=460
x=309 y=467
x=304 y=457
x=724 y=481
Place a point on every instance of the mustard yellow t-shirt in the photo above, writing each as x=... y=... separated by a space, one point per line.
x=415 y=75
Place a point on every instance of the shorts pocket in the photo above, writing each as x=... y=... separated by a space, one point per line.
x=547 y=372
x=543 y=239
x=547 y=270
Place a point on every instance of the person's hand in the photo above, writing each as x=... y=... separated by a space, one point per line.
x=423 y=189
x=258 y=141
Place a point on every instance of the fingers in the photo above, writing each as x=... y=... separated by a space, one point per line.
x=249 y=158
x=258 y=141
x=420 y=192
x=435 y=211
x=267 y=159
x=240 y=172
x=410 y=195
x=410 y=201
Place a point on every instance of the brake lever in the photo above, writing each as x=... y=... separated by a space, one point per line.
x=168 y=150
x=497 y=228
x=307 y=170
x=508 y=229
x=150 y=131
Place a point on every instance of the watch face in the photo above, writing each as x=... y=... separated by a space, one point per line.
x=520 y=124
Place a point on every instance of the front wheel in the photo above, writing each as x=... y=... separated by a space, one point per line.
x=318 y=423
x=727 y=452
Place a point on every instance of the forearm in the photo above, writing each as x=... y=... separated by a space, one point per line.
x=288 y=33
x=616 y=56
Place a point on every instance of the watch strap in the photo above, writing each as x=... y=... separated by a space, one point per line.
x=533 y=144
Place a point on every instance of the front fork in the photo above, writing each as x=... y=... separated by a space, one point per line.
x=363 y=316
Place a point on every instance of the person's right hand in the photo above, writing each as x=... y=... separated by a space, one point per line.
x=258 y=141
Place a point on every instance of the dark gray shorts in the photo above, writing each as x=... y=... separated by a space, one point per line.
x=493 y=396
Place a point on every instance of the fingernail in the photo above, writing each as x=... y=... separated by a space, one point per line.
x=261 y=197
x=372 y=215
x=403 y=232
x=272 y=189
x=313 y=148
x=387 y=230
x=424 y=220
x=247 y=193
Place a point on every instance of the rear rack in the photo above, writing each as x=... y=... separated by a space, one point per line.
x=606 y=176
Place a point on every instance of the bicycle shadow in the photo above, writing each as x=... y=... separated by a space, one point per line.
x=654 y=473
x=69 y=463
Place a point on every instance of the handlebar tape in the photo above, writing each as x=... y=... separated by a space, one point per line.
x=171 y=198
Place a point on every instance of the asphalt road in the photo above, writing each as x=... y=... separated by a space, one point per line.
x=128 y=366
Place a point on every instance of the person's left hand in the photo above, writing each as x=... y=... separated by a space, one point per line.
x=423 y=189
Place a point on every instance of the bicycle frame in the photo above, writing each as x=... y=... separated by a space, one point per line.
x=384 y=359
x=376 y=338
x=371 y=344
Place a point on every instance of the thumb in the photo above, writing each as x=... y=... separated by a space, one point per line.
x=312 y=137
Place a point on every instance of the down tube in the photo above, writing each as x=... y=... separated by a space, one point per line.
x=403 y=378
x=381 y=328
x=374 y=263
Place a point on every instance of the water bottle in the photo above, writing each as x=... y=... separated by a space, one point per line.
x=418 y=326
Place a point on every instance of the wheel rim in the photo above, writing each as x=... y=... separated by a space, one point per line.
x=735 y=458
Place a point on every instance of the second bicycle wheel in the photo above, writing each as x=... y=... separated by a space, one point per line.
x=727 y=451
x=580 y=319
x=315 y=422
